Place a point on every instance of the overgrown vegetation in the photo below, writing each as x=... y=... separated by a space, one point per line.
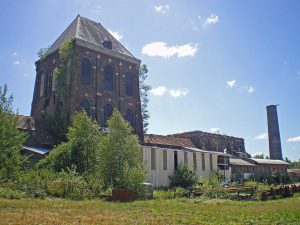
x=58 y=123
x=11 y=139
x=86 y=165
x=183 y=177
x=42 y=53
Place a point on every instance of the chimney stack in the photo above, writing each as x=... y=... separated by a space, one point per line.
x=274 y=134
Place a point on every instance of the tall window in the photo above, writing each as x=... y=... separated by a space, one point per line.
x=42 y=84
x=175 y=160
x=54 y=81
x=195 y=160
x=165 y=160
x=129 y=84
x=86 y=69
x=203 y=161
x=185 y=158
x=153 y=159
x=108 y=110
x=129 y=116
x=69 y=72
x=108 y=78
x=85 y=105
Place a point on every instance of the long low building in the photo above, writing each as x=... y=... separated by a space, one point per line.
x=163 y=155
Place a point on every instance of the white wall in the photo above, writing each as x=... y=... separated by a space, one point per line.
x=160 y=177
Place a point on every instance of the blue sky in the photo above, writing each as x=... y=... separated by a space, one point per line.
x=213 y=65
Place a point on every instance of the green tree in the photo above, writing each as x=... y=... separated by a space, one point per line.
x=11 y=139
x=85 y=139
x=42 y=53
x=82 y=148
x=183 y=177
x=144 y=91
x=121 y=155
x=260 y=156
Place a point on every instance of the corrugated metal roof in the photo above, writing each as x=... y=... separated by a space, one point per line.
x=270 y=161
x=89 y=31
x=41 y=151
x=211 y=152
x=239 y=162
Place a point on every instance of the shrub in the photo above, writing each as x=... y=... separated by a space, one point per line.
x=68 y=184
x=133 y=179
x=164 y=193
x=10 y=193
x=212 y=186
x=183 y=177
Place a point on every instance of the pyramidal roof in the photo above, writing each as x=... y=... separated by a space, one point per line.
x=88 y=31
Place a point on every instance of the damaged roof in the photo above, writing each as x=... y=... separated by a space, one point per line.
x=170 y=141
x=90 y=32
x=25 y=122
x=239 y=162
x=270 y=161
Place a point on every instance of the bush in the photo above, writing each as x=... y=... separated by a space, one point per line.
x=10 y=193
x=183 y=177
x=211 y=186
x=164 y=193
x=133 y=179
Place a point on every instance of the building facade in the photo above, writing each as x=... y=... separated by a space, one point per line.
x=102 y=76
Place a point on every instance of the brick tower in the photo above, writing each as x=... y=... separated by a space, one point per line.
x=103 y=75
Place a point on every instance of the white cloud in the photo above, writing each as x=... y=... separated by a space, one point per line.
x=15 y=54
x=161 y=49
x=116 y=35
x=263 y=136
x=17 y=62
x=161 y=9
x=249 y=89
x=294 y=139
x=215 y=130
x=231 y=83
x=178 y=92
x=159 y=91
x=212 y=19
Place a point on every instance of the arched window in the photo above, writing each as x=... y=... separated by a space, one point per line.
x=108 y=110
x=107 y=44
x=86 y=69
x=54 y=81
x=129 y=84
x=69 y=72
x=108 y=78
x=129 y=116
x=42 y=84
x=85 y=105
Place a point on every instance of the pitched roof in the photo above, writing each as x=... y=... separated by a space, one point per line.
x=200 y=133
x=161 y=140
x=270 y=161
x=88 y=31
x=239 y=162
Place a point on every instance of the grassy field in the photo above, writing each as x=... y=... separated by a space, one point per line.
x=173 y=211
